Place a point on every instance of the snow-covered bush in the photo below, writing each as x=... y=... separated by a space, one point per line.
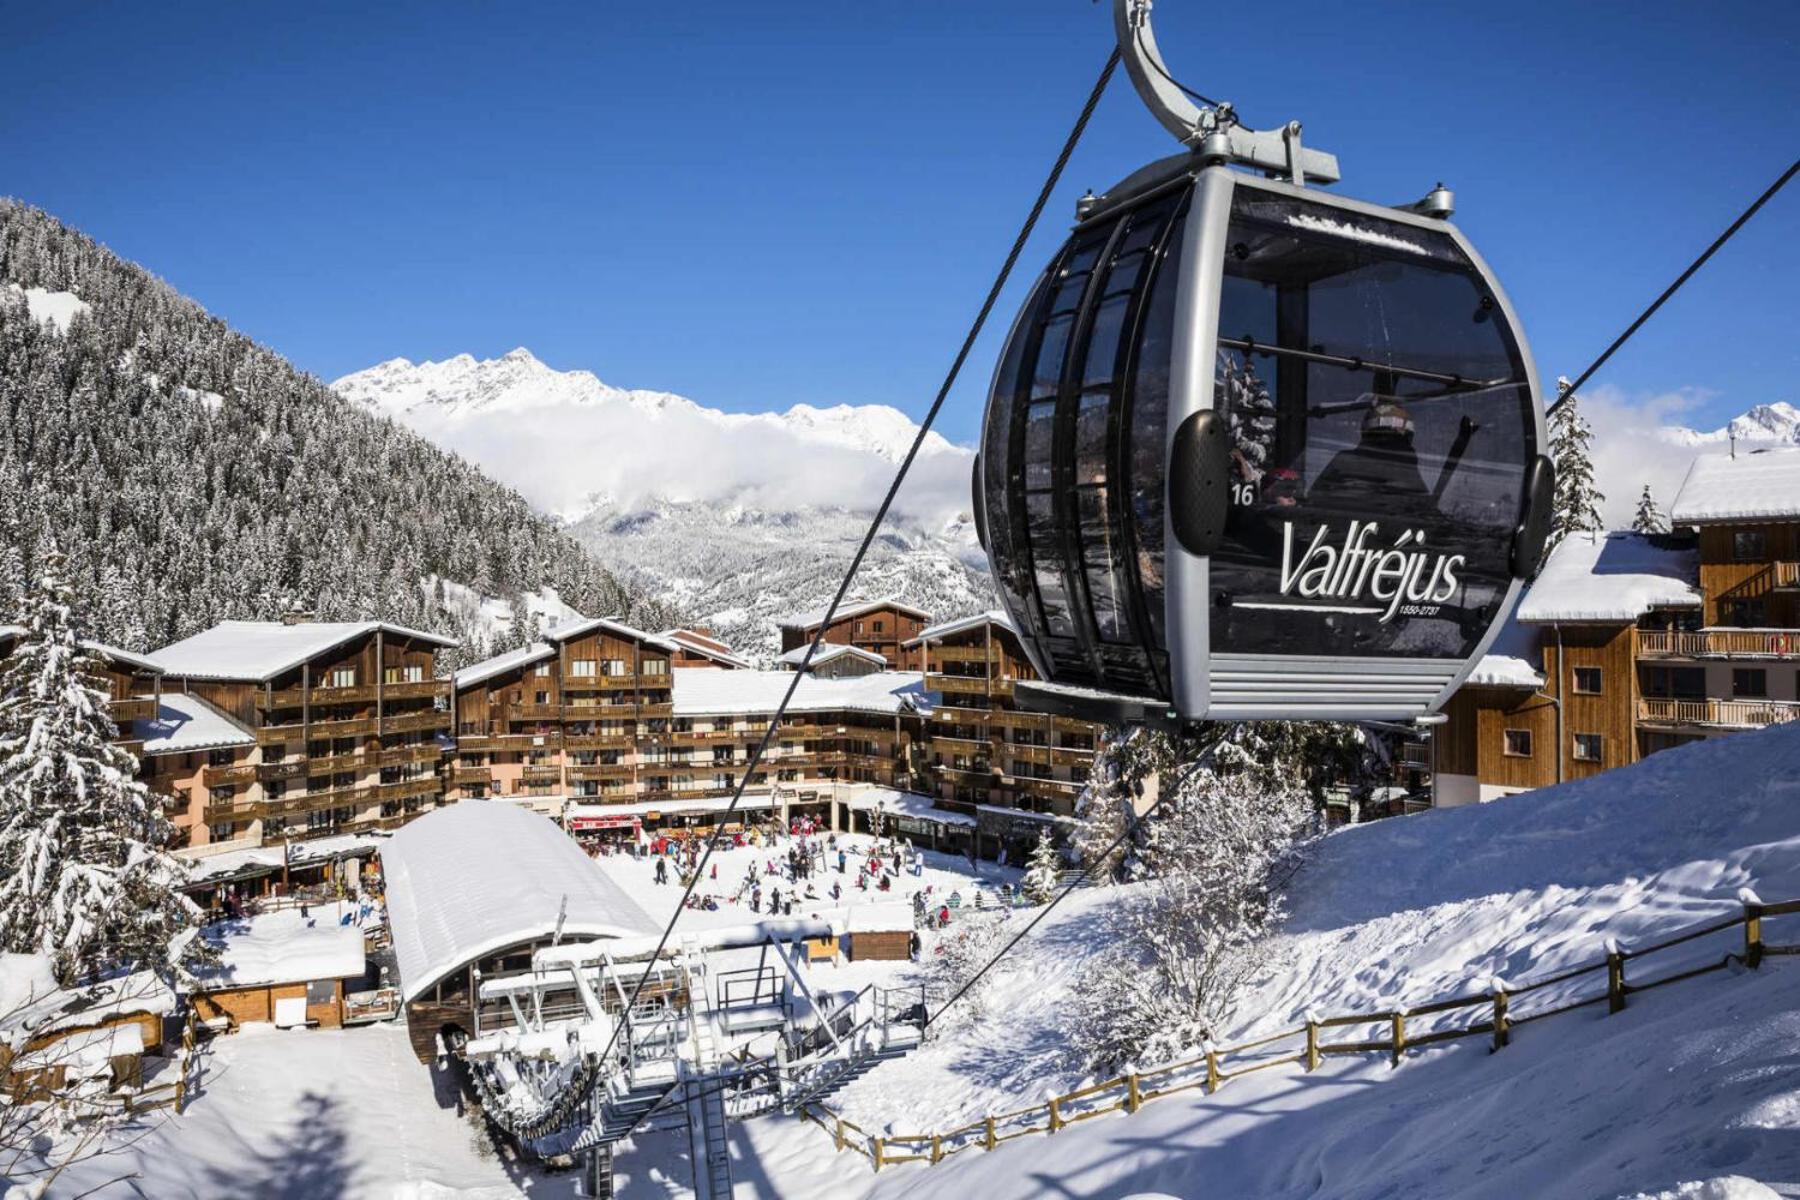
x=955 y=957
x=1197 y=927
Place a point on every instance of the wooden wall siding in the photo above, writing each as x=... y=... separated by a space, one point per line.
x=1612 y=713
x=247 y=1004
x=886 y=945
x=1456 y=743
x=1719 y=573
x=237 y=699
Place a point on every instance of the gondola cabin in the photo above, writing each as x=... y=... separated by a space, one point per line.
x=1257 y=451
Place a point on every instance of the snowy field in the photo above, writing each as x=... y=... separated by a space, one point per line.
x=1692 y=1084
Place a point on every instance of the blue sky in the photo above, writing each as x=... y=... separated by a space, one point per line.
x=756 y=204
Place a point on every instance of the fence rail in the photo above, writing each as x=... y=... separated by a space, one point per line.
x=1496 y=1017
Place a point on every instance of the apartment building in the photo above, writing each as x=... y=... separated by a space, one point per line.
x=1628 y=644
x=987 y=757
x=834 y=661
x=881 y=627
x=348 y=723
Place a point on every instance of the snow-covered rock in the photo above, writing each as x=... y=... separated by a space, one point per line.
x=1777 y=422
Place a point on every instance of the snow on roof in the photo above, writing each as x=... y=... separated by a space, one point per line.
x=218 y=859
x=1508 y=661
x=886 y=916
x=1617 y=577
x=813 y=617
x=35 y=1004
x=829 y=651
x=1755 y=485
x=701 y=690
x=281 y=947
x=184 y=724
x=500 y=664
x=118 y=657
x=261 y=650
x=963 y=624
x=581 y=625
x=700 y=643
x=473 y=878
x=905 y=804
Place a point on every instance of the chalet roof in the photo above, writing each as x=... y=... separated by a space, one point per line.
x=852 y=608
x=1761 y=484
x=281 y=947
x=118 y=657
x=828 y=652
x=962 y=625
x=584 y=625
x=500 y=664
x=37 y=1005
x=700 y=643
x=261 y=650
x=476 y=877
x=185 y=724
x=1508 y=661
x=701 y=691
x=1612 y=578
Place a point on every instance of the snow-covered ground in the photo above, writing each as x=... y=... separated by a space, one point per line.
x=1692 y=1083
x=312 y=1115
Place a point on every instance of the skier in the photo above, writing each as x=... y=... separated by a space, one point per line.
x=662 y=870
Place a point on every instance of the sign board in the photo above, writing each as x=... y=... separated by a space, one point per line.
x=587 y=824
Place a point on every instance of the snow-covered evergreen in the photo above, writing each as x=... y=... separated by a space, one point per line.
x=1251 y=413
x=1043 y=870
x=1576 y=508
x=192 y=475
x=1649 y=518
x=84 y=873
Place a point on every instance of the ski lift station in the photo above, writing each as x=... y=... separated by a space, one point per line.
x=531 y=972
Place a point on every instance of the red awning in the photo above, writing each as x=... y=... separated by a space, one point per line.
x=604 y=821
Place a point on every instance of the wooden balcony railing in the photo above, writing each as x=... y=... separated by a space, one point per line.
x=597 y=741
x=600 y=771
x=230 y=775
x=1787 y=575
x=541 y=774
x=133 y=709
x=362 y=693
x=1416 y=754
x=1721 y=643
x=428 y=785
x=468 y=776
x=1727 y=714
x=295 y=732
x=415 y=722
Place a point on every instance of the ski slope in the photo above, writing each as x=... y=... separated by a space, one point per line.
x=1693 y=1091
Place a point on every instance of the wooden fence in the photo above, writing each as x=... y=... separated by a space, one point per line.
x=1494 y=1013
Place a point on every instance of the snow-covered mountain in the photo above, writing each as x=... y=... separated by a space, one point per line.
x=1777 y=422
x=737 y=518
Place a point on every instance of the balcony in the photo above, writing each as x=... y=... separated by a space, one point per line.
x=135 y=709
x=600 y=771
x=332 y=764
x=229 y=776
x=415 y=722
x=272 y=772
x=1416 y=755
x=540 y=774
x=1717 y=714
x=960 y=685
x=235 y=808
x=1786 y=576
x=596 y=741
x=534 y=712
x=963 y=654
x=471 y=776
x=506 y=742
x=428 y=785
x=409 y=754
x=423 y=689
x=1721 y=643
x=295 y=732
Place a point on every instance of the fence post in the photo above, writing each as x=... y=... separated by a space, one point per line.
x=1134 y=1098
x=1753 y=915
x=1212 y=1068
x=1615 y=976
x=937 y=1149
x=988 y=1134
x=837 y=1133
x=875 y=1151
x=1502 y=1024
x=1312 y=1042
x=1399 y=1035
x=1056 y=1121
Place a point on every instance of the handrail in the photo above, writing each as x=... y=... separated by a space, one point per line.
x=1047 y=1116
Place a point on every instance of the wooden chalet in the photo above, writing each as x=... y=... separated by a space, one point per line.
x=282 y=968
x=881 y=627
x=349 y=719
x=987 y=755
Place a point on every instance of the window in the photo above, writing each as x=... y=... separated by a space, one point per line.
x=583 y=668
x=1745 y=614
x=1587 y=681
x=1518 y=743
x=1589 y=747
x=542 y=669
x=1749 y=683
x=341 y=677
x=404 y=674
x=878 y=627
x=613 y=666
x=1748 y=545
x=219 y=833
x=656 y=666
x=220 y=758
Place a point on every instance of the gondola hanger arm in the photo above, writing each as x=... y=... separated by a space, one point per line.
x=1213 y=130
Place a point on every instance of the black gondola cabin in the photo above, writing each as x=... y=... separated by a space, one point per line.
x=1255 y=451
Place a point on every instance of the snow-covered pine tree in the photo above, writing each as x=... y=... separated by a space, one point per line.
x=1576 y=507
x=1251 y=413
x=85 y=876
x=1649 y=518
x=1043 y=870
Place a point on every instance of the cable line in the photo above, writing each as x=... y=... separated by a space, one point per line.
x=1012 y=257
x=1676 y=286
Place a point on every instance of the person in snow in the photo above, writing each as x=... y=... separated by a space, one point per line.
x=662 y=870
x=841 y=862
